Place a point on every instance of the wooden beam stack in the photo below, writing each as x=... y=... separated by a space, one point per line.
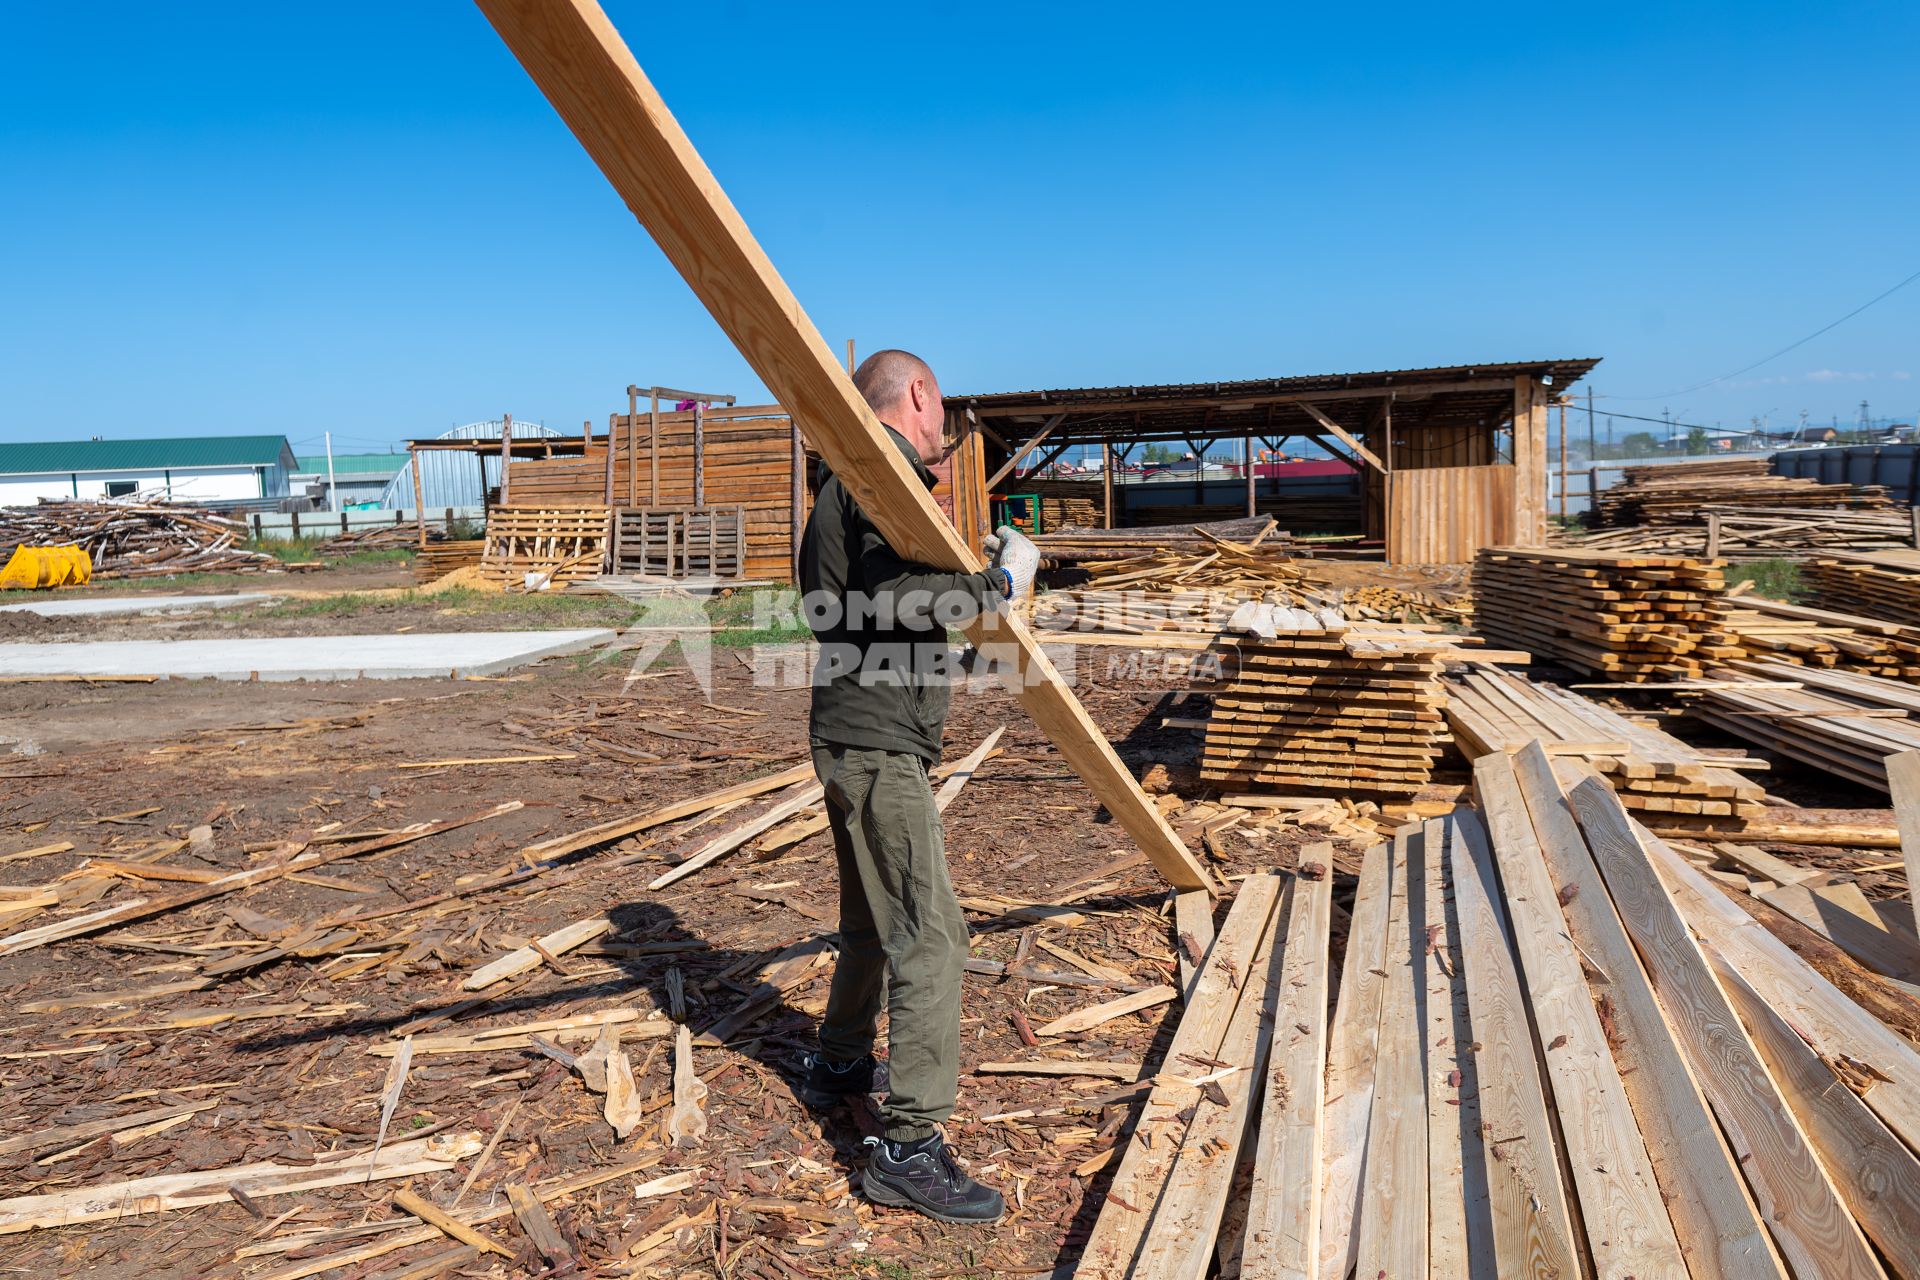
x=1746 y=534
x=1676 y=493
x=1555 y=1049
x=1843 y=723
x=1626 y=618
x=1330 y=711
x=1884 y=584
x=1491 y=711
x=1772 y=630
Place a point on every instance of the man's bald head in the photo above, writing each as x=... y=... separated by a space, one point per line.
x=902 y=392
x=884 y=377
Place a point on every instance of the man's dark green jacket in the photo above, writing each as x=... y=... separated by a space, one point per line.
x=882 y=678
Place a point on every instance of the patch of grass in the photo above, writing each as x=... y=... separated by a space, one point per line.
x=1775 y=579
x=542 y=610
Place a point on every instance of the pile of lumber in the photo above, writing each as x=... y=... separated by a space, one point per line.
x=1676 y=494
x=1837 y=721
x=1627 y=618
x=1740 y=534
x=1492 y=711
x=1884 y=585
x=1556 y=1049
x=1072 y=546
x=437 y=559
x=1329 y=709
x=1777 y=631
x=133 y=539
x=533 y=547
x=1064 y=504
x=379 y=537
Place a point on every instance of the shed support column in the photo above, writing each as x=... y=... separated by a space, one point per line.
x=699 y=454
x=1246 y=456
x=653 y=416
x=613 y=420
x=1529 y=462
x=506 y=454
x=419 y=501
x=633 y=446
x=1106 y=482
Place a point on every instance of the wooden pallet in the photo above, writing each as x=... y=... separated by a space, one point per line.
x=680 y=542
x=561 y=544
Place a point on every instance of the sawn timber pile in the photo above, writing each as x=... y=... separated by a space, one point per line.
x=1546 y=1021
x=1740 y=533
x=1626 y=618
x=1675 y=494
x=1842 y=723
x=1771 y=630
x=1883 y=585
x=129 y=539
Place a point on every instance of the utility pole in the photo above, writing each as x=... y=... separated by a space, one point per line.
x=333 y=494
x=1591 y=450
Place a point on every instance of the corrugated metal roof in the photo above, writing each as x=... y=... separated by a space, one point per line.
x=351 y=464
x=449 y=479
x=183 y=452
x=1564 y=373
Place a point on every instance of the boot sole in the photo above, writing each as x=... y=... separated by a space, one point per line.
x=885 y=1194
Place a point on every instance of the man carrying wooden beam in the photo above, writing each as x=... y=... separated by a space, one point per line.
x=880 y=693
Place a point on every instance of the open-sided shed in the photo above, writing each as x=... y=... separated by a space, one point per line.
x=1449 y=459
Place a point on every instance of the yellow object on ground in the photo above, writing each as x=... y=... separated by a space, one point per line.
x=67 y=566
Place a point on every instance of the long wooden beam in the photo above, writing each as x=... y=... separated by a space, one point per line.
x=573 y=53
x=1011 y=464
x=1339 y=432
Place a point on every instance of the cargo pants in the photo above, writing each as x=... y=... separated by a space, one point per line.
x=903 y=939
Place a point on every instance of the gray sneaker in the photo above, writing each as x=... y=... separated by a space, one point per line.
x=824 y=1084
x=924 y=1175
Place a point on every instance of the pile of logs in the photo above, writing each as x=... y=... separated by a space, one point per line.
x=379 y=537
x=129 y=539
x=1676 y=494
x=1627 y=618
x=1884 y=585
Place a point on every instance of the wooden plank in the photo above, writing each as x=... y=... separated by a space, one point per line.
x=1873 y=945
x=1626 y=1224
x=1092 y=1016
x=1193 y=935
x=1834 y=1025
x=1351 y=1050
x=1392 y=1231
x=1186 y=1222
x=1284 y=1205
x=1149 y=1156
x=560 y=941
x=1875 y=1174
x=1532 y=1230
x=1713 y=1218
x=1340 y=433
x=1813 y=1230
x=804 y=796
x=1903 y=780
x=538 y=1224
x=573 y=53
x=1453 y=1200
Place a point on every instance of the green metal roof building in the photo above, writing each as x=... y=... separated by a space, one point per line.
x=209 y=469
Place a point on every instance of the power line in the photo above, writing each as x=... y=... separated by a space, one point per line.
x=1789 y=347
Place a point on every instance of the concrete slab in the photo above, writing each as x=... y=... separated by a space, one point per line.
x=387 y=657
x=95 y=606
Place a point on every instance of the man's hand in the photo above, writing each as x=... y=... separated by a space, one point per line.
x=1014 y=554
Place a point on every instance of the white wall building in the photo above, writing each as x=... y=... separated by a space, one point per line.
x=206 y=469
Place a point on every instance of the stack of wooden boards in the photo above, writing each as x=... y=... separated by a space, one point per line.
x=1843 y=723
x=1332 y=710
x=1743 y=534
x=1063 y=503
x=1776 y=631
x=133 y=539
x=1675 y=494
x=1491 y=711
x=437 y=559
x=1074 y=546
x=1557 y=1051
x=1627 y=618
x=556 y=545
x=1884 y=585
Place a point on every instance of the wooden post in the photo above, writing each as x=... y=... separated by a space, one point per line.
x=653 y=423
x=1246 y=455
x=1529 y=462
x=1913 y=514
x=613 y=420
x=797 y=502
x=1563 y=462
x=699 y=454
x=506 y=454
x=295 y=513
x=633 y=449
x=1713 y=537
x=1593 y=496
x=575 y=55
x=1106 y=482
x=419 y=499
x=850 y=364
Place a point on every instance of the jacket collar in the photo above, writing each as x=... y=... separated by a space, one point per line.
x=912 y=456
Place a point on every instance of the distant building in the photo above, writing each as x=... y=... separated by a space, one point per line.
x=204 y=469
x=357 y=477
x=1813 y=435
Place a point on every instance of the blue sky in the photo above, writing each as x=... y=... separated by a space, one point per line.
x=234 y=218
